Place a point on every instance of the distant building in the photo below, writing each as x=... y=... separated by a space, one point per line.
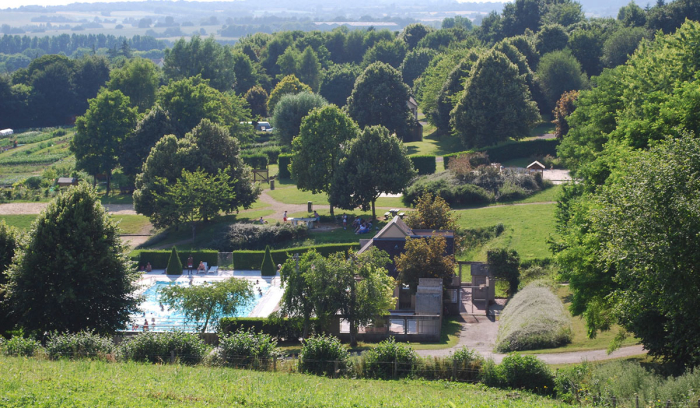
x=6 y=132
x=67 y=181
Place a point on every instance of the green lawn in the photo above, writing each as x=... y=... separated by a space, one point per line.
x=289 y=194
x=544 y=196
x=580 y=340
x=432 y=144
x=527 y=228
x=35 y=382
x=129 y=224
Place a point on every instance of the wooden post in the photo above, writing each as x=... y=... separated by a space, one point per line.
x=454 y=370
x=335 y=368
x=396 y=368
x=614 y=401
x=172 y=356
x=668 y=403
x=274 y=363
x=637 y=401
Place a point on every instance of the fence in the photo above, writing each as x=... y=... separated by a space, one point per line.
x=401 y=327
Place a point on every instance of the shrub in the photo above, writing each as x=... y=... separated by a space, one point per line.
x=284 y=161
x=78 y=345
x=424 y=164
x=281 y=328
x=381 y=361
x=159 y=259
x=256 y=161
x=468 y=364
x=19 y=346
x=509 y=191
x=246 y=349
x=268 y=267
x=534 y=318
x=250 y=236
x=319 y=354
x=512 y=150
x=469 y=194
x=253 y=259
x=157 y=348
x=526 y=372
x=174 y=263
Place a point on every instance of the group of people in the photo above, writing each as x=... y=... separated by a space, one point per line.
x=361 y=226
x=190 y=264
x=145 y=327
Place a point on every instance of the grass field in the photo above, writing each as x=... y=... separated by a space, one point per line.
x=527 y=228
x=129 y=224
x=37 y=150
x=290 y=194
x=35 y=382
x=432 y=144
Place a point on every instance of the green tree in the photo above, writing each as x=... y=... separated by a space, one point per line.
x=209 y=147
x=413 y=33
x=560 y=72
x=298 y=298
x=290 y=111
x=310 y=69
x=174 y=266
x=565 y=107
x=433 y=213
x=101 y=131
x=267 y=268
x=137 y=79
x=380 y=98
x=505 y=264
x=587 y=47
x=551 y=37
x=451 y=89
x=632 y=15
x=205 y=304
x=204 y=58
x=632 y=253
x=257 y=100
x=457 y=21
x=73 y=273
x=288 y=85
x=338 y=82
x=424 y=258
x=496 y=104
x=9 y=243
x=621 y=44
x=192 y=99
x=522 y=15
x=372 y=163
x=415 y=63
x=565 y=13
x=389 y=52
x=317 y=149
x=245 y=72
x=137 y=145
x=197 y=196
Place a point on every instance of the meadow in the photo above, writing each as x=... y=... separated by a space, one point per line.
x=128 y=224
x=36 y=382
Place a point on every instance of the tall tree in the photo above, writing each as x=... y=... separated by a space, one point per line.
x=559 y=72
x=380 y=98
x=318 y=148
x=298 y=298
x=310 y=69
x=73 y=273
x=245 y=72
x=205 y=58
x=101 y=132
x=425 y=258
x=257 y=100
x=288 y=85
x=496 y=104
x=290 y=111
x=209 y=147
x=413 y=33
x=372 y=163
x=415 y=62
x=9 y=243
x=137 y=79
x=338 y=82
x=137 y=145
x=389 y=52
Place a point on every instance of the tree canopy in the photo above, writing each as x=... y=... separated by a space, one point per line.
x=424 y=258
x=289 y=113
x=204 y=58
x=137 y=79
x=73 y=273
x=288 y=85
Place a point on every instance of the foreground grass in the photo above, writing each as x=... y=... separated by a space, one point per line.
x=34 y=382
x=527 y=228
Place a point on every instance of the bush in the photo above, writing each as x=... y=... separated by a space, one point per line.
x=469 y=194
x=380 y=361
x=19 y=347
x=159 y=259
x=281 y=328
x=246 y=349
x=520 y=372
x=284 y=161
x=251 y=236
x=319 y=354
x=174 y=263
x=509 y=191
x=468 y=363
x=268 y=267
x=253 y=259
x=534 y=318
x=424 y=164
x=256 y=161
x=157 y=348
x=78 y=345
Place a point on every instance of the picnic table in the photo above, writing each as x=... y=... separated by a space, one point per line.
x=392 y=213
x=309 y=221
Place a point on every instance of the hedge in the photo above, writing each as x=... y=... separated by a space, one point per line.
x=159 y=259
x=513 y=150
x=286 y=328
x=256 y=161
x=251 y=260
x=284 y=161
x=424 y=164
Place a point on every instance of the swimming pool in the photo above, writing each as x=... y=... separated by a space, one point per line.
x=167 y=320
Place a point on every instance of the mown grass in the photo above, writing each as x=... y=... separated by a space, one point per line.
x=34 y=382
x=527 y=228
x=579 y=339
x=434 y=144
x=129 y=224
x=288 y=193
x=22 y=222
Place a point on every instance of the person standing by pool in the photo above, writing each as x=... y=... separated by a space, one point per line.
x=285 y=216
x=190 y=265
x=145 y=325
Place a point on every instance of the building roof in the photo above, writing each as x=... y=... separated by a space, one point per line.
x=536 y=166
x=66 y=180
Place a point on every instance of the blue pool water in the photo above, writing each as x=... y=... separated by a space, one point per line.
x=167 y=320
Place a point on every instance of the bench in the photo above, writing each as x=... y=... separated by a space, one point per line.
x=387 y=215
x=401 y=215
x=214 y=270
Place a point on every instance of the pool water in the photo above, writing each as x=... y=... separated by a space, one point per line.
x=168 y=320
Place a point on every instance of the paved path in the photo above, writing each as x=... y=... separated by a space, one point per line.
x=479 y=333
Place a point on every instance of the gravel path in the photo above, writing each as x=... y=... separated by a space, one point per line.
x=479 y=333
x=37 y=208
